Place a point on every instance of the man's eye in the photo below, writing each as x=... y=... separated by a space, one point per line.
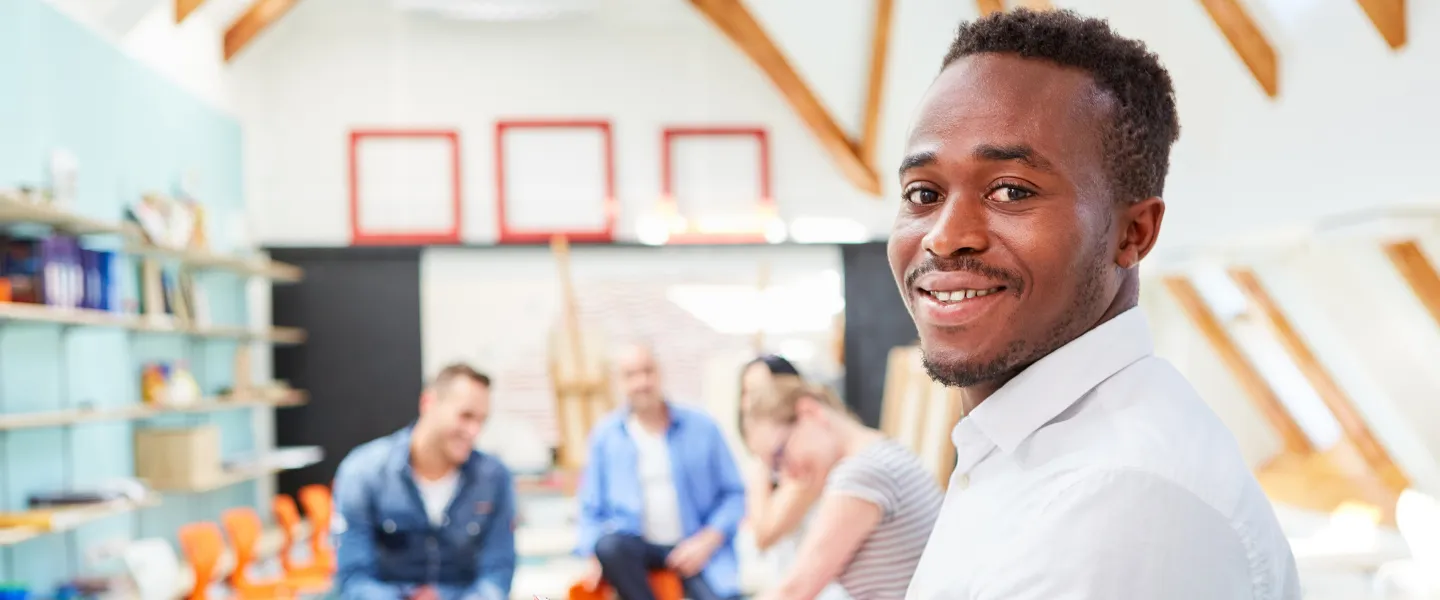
x=922 y=196
x=1009 y=193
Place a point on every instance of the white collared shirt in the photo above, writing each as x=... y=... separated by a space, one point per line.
x=1099 y=474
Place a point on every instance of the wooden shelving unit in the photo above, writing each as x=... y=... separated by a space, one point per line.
x=128 y=240
x=140 y=411
x=66 y=519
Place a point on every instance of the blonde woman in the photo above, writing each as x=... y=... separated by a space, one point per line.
x=877 y=502
x=775 y=506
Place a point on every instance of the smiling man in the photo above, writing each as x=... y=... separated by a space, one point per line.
x=1087 y=468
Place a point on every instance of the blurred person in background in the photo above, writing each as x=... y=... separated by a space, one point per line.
x=421 y=514
x=660 y=490
x=877 y=502
x=778 y=506
x=1087 y=467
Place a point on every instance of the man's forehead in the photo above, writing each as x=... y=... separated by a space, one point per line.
x=1007 y=99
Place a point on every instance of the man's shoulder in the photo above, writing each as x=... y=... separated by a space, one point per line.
x=368 y=457
x=689 y=415
x=489 y=466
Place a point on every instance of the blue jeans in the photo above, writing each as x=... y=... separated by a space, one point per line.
x=626 y=562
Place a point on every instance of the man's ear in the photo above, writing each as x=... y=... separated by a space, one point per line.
x=1139 y=230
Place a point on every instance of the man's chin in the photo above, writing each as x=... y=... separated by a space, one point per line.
x=962 y=370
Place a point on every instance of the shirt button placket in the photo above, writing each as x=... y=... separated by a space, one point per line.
x=432 y=545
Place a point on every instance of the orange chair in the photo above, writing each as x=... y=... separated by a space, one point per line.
x=318 y=507
x=244 y=527
x=666 y=585
x=313 y=573
x=202 y=545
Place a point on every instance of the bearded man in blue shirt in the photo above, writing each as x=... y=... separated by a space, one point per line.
x=660 y=490
x=421 y=514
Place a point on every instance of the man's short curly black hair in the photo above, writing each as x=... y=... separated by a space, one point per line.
x=1144 y=123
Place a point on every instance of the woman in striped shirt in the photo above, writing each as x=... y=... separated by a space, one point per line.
x=877 y=507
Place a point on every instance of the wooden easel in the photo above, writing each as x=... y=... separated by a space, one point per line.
x=578 y=373
x=919 y=412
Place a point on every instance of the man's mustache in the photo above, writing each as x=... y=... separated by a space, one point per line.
x=966 y=264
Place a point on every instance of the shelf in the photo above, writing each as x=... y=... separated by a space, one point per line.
x=234 y=477
x=40 y=313
x=62 y=418
x=205 y=259
x=15 y=212
x=12 y=211
x=71 y=518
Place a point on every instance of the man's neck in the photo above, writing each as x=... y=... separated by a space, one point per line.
x=1126 y=298
x=654 y=419
x=427 y=463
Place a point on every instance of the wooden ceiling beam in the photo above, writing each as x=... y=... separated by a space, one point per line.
x=1248 y=41
x=1292 y=437
x=1418 y=272
x=1352 y=424
x=879 y=56
x=1388 y=16
x=261 y=15
x=183 y=8
x=732 y=18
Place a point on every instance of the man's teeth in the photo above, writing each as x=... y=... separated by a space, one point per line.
x=958 y=295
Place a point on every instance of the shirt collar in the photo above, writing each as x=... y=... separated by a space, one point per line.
x=677 y=418
x=1057 y=381
x=399 y=460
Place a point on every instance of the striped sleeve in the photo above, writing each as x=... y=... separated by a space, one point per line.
x=866 y=480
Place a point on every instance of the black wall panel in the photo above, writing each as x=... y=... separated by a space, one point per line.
x=361 y=363
x=875 y=322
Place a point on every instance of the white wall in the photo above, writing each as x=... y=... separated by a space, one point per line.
x=333 y=65
x=496 y=308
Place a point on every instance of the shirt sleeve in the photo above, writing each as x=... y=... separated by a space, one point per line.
x=1123 y=534
x=354 y=544
x=594 y=509
x=864 y=480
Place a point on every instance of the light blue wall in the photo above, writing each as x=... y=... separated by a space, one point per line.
x=63 y=86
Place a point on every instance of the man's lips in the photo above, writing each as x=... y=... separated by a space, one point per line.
x=956 y=298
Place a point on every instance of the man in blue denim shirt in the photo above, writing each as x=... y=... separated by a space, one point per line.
x=422 y=514
x=659 y=490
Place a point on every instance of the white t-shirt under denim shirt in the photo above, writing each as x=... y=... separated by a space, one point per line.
x=662 y=506
x=1098 y=473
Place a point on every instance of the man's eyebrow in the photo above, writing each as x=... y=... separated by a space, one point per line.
x=1021 y=153
x=916 y=160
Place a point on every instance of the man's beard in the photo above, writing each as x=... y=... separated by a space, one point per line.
x=1021 y=353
